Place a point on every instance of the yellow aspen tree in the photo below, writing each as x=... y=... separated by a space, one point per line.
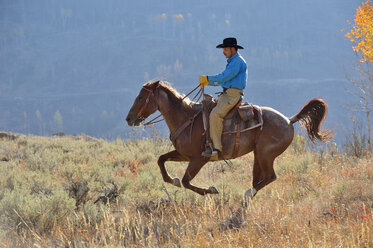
x=362 y=31
x=361 y=35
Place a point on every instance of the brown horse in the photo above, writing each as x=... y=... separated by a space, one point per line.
x=267 y=143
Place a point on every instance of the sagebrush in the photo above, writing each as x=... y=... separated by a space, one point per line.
x=77 y=191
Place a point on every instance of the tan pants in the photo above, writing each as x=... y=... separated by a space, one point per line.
x=225 y=103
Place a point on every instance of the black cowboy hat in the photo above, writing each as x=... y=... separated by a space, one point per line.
x=229 y=42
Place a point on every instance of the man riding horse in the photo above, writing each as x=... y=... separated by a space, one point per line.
x=187 y=130
x=233 y=80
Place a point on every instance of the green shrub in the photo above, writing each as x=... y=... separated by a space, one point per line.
x=299 y=165
x=80 y=192
x=38 y=213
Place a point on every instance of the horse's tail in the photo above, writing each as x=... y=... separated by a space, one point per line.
x=311 y=116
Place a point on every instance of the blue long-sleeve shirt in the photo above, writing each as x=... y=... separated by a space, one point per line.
x=234 y=75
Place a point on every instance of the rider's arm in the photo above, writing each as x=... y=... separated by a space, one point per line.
x=232 y=69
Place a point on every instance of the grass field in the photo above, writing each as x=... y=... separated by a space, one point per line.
x=77 y=191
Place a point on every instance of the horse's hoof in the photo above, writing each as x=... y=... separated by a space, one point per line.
x=213 y=190
x=249 y=194
x=176 y=182
x=245 y=202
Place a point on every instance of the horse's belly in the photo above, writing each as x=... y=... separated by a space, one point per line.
x=238 y=144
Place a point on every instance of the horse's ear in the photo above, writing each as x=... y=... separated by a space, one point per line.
x=152 y=84
x=155 y=84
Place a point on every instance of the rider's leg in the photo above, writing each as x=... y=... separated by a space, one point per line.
x=225 y=103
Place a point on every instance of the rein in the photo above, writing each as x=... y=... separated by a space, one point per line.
x=198 y=95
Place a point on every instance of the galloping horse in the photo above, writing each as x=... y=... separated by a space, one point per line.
x=267 y=142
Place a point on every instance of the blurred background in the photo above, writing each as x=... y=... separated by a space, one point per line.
x=76 y=66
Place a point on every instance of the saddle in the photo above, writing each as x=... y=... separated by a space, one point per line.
x=241 y=118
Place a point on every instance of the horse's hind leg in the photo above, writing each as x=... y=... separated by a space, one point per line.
x=170 y=156
x=194 y=167
x=263 y=173
x=257 y=177
x=268 y=174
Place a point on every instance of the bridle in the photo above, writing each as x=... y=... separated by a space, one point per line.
x=151 y=92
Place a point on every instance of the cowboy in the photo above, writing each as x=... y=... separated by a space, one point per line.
x=233 y=80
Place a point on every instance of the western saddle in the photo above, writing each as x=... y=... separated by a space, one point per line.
x=242 y=117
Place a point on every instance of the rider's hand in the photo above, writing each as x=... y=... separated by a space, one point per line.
x=203 y=81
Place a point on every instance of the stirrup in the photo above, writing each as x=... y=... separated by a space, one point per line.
x=209 y=152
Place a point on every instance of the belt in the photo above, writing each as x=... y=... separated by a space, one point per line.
x=225 y=90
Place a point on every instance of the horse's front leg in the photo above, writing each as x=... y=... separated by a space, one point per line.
x=170 y=156
x=194 y=167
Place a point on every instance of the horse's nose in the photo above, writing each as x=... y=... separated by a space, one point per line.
x=129 y=119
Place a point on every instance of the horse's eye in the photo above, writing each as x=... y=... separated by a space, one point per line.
x=140 y=98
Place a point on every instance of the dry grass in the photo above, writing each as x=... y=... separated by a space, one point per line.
x=80 y=192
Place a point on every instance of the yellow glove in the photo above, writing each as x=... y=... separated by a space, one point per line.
x=203 y=81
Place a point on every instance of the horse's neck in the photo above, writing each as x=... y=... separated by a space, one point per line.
x=174 y=116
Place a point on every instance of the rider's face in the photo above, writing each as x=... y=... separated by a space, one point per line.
x=229 y=52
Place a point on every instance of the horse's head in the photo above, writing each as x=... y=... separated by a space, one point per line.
x=144 y=105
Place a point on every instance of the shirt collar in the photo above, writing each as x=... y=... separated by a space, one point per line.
x=233 y=57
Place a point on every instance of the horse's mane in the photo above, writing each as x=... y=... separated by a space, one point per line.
x=175 y=97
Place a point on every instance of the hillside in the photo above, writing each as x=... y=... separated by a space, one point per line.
x=78 y=191
x=77 y=66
